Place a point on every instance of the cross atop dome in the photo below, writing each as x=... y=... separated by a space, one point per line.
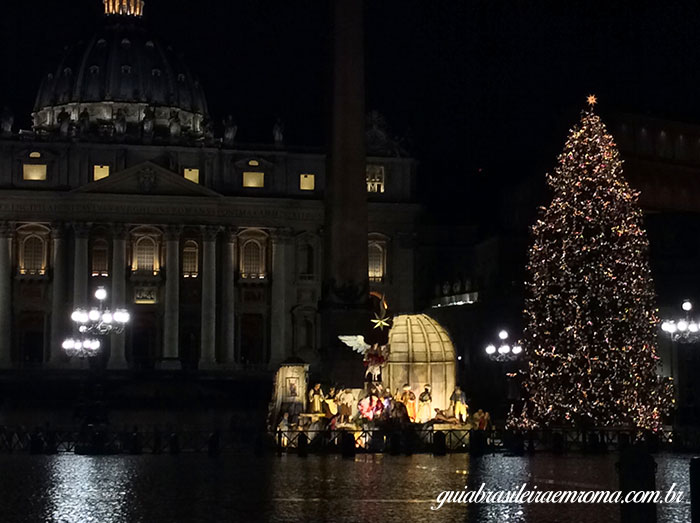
x=124 y=7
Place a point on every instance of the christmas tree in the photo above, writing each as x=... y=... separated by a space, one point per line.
x=590 y=338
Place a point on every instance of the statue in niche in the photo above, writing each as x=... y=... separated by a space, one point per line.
x=278 y=132
x=7 y=120
x=84 y=122
x=120 y=123
x=148 y=123
x=174 y=125
x=64 y=123
x=230 y=130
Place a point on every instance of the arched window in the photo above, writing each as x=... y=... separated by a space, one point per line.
x=100 y=258
x=252 y=260
x=33 y=260
x=145 y=255
x=190 y=259
x=377 y=261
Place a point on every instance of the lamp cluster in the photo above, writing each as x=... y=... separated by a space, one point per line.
x=81 y=347
x=684 y=330
x=504 y=351
x=98 y=321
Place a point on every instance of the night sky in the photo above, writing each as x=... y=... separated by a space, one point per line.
x=484 y=90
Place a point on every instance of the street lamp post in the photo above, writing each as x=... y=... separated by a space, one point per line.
x=507 y=355
x=685 y=329
x=504 y=352
x=93 y=324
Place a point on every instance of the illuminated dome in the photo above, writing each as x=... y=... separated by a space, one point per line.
x=421 y=352
x=122 y=68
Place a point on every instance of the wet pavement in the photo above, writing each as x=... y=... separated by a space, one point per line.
x=242 y=487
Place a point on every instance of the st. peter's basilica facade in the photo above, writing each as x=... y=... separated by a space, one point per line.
x=215 y=247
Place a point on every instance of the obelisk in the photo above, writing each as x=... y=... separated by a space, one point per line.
x=345 y=301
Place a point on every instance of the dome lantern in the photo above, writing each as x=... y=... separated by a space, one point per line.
x=124 y=7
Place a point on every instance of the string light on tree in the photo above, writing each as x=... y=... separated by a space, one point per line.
x=591 y=316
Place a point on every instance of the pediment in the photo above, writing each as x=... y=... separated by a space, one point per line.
x=147 y=178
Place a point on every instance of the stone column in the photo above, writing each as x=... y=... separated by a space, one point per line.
x=207 y=357
x=280 y=324
x=228 y=297
x=117 y=357
x=171 y=320
x=6 y=232
x=80 y=265
x=60 y=310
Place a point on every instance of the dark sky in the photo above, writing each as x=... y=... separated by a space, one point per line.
x=476 y=84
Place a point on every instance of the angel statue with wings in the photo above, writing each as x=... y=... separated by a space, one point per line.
x=375 y=356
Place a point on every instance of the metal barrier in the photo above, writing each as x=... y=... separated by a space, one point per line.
x=422 y=439
x=408 y=439
x=106 y=440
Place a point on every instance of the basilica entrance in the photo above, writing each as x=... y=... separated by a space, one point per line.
x=253 y=342
x=31 y=339
x=144 y=340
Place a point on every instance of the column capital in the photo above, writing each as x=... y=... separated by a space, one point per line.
x=209 y=232
x=119 y=231
x=406 y=240
x=282 y=235
x=82 y=230
x=7 y=229
x=230 y=234
x=172 y=232
x=58 y=231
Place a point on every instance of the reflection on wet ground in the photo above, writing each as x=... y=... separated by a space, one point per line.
x=242 y=487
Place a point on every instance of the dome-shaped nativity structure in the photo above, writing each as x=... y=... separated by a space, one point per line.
x=421 y=352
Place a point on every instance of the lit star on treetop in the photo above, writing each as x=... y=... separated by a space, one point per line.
x=592 y=100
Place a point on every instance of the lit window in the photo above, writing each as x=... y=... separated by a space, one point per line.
x=35 y=154
x=375 y=178
x=252 y=260
x=190 y=262
x=307 y=182
x=192 y=175
x=376 y=261
x=100 y=258
x=254 y=163
x=99 y=172
x=34 y=171
x=253 y=179
x=145 y=255
x=33 y=256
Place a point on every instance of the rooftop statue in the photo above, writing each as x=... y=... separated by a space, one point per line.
x=230 y=130
x=7 y=120
x=148 y=123
x=174 y=125
x=84 y=122
x=278 y=132
x=64 y=123
x=120 y=123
